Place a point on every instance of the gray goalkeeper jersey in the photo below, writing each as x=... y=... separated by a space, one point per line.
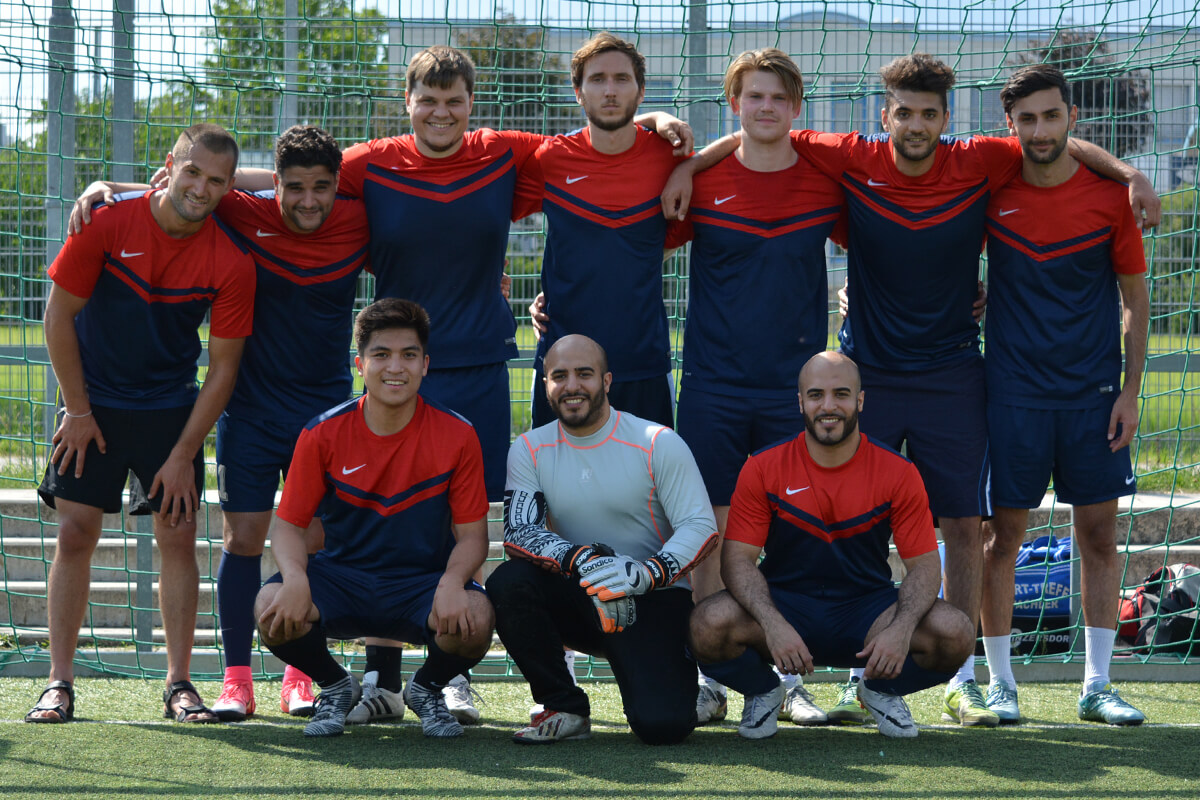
x=632 y=485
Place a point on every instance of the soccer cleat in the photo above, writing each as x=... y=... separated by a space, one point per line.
x=460 y=694
x=333 y=704
x=1107 y=706
x=760 y=714
x=236 y=701
x=376 y=704
x=890 y=712
x=848 y=710
x=296 y=697
x=430 y=707
x=1002 y=700
x=800 y=707
x=549 y=727
x=711 y=705
x=965 y=705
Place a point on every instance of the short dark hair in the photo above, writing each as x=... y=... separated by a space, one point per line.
x=389 y=313
x=307 y=146
x=213 y=138
x=1034 y=78
x=438 y=67
x=918 y=72
x=604 y=42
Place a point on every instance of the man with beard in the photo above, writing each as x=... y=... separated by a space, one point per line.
x=602 y=271
x=1063 y=253
x=823 y=506
x=604 y=516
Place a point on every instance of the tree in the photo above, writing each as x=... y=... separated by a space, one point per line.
x=1113 y=104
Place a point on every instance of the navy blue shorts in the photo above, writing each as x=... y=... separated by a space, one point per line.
x=1032 y=444
x=355 y=603
x=481 y=395
x=834 y=630
x=651 y=399
x=940 y=416
x=723 y=430
x=252 y=455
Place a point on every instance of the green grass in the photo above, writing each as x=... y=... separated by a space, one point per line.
x=1051 y=757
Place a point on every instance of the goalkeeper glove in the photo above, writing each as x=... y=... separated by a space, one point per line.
x=619 y=576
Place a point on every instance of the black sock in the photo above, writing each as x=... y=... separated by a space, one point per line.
x=310 y=655
x=440 y=667
x=386 y=660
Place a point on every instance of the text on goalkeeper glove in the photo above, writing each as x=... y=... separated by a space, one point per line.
x=615 y=616
x=613 y=577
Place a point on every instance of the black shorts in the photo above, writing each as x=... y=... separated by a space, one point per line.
x=138 y=441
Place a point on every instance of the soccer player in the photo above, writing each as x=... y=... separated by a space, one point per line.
x=920 y=198
x=122 y=320
x=602 y=268
x=758 y=223
x=630 y=520
x=405 y=517
x=822 y=507
x=1064 y=252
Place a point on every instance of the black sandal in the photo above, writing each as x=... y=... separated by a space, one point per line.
x=185 y=710
x=63 y=713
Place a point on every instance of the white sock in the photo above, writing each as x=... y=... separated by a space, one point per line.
x=371 y=677
x=1098 y=648
x=569 y=657
x=856 y=673
x=788 y=681
x=711 y=684
x=998 y=650
x=965 y=673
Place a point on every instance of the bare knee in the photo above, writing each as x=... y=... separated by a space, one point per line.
x=245 y=533
x=714 y=625
x=944 y=638
x=475 y=642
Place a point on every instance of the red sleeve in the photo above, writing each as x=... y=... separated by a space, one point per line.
x=305 y=484
x=81 y=259
x=1126 y=251
x=828 y=152
x=523 y=145
x=468 y=495
x=750 y=512
x=527 y=197
x=912 y=523
x=233 y=310
x=354 y=169
x=1001 y=157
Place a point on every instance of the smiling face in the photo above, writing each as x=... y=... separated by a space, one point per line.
x=305 y=196
x=577 y=383
x=392 y=364
x=830 y=398
x=1043 y=123
x=914 y=121
x=439 y=117
x=198 y=181
x=764 y=108
x=608 y=91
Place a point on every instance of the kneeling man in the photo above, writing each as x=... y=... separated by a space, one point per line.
x=823 y=506
x=605 y=514
x=405 y=517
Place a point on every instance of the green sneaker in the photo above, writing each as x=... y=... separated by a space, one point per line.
x=1002 y=699
x=966 y=706
x=848 y=710
x=1108 y=707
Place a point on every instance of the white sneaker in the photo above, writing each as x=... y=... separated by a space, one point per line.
x=800 y=708
x=890 y=712
x=711 y=705
x=376 y=704
x=460 y=694
x=554 y=726
x=760 y=714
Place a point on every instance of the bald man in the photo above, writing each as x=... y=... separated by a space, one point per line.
x=823 y=506
x=605 y=514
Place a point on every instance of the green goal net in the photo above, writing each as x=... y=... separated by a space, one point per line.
x=99 y=89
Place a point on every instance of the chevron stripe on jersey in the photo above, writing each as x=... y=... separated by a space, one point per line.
x=148 y=293
x=758 y=253
x=826 y=531
x=439 y=233
x=295 y=365
x=387 y=502
x=1054 y=333
x=914 y=244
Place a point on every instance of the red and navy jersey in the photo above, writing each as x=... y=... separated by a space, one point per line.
x=389 y=501
x=757 y=264
x=439 y=232
x=148 y=293
x=914 y=244
x=825 y=531
x=1053 y=321
x=295 y=364
x=605 y=235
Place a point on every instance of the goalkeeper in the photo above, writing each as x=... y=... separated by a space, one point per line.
x=604 y=516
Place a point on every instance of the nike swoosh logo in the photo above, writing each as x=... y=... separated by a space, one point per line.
x=575 y=180
x=131 y=255
x=797 y=491
x=260 y=233
x=719 y=200
x=871 y=182
x=1129 y=481
x=1004 y=213
x=356 y=469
